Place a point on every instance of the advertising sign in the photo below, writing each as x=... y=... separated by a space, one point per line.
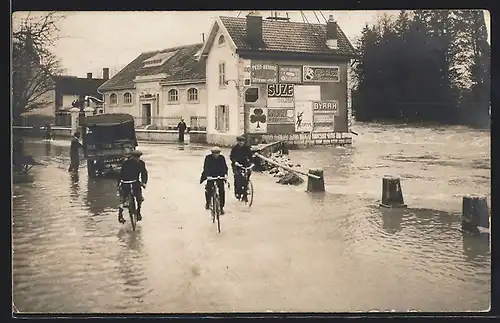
x=258 y=120
x=307 y=92
x=280 y=116
x=290 y=74
x=321 y=74
x=280 y=102
x=247 y=72
x=303 y=116
x=326 y=107
x=264 y=73
x=280 y=90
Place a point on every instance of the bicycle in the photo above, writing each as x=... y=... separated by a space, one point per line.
x=248 y=187
x=131 y=202
x=215 y=207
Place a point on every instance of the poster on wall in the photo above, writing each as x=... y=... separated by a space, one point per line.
x=331 y=107
x=258 y=120
x=303 y=116
x=307 y=92
x=290 y=74
x=280 y=95
x=324 y=115
x=280 y=116
x=247 y=72
x=321 y=74
x=264 y=73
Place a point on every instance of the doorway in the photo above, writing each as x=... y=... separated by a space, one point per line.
x=146 y=114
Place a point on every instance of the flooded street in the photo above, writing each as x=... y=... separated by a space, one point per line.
x=291 y=251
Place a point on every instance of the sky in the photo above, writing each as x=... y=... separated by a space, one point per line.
x=90 y=41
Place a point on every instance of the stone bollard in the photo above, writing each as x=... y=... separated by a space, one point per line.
x=392 y=194
x=313 y=184
x=474 y=213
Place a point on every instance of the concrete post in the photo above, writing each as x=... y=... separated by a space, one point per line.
x=74 y=119
x=313 y=184
x=392 y=194
x=474 y=213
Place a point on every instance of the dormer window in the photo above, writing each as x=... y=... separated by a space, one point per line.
x=222 y=40
x=158 y=59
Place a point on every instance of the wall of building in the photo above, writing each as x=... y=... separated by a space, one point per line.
x=120 y=106
x=183 y=107
x=222 y=95
x=329 y=91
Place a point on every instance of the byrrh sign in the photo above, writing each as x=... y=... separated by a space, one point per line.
x=326 y=106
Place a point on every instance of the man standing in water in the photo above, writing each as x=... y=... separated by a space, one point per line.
x=73 y=152
x=181 y=126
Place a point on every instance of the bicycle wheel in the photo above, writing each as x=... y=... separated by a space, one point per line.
x=212 y=208
x=217 y=212
x=132 y=210
x=249 y=194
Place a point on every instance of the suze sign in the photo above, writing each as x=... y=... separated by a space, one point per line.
x=280 y=90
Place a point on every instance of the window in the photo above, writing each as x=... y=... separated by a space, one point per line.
x=222 y=118
x=221 y=40
x=113 y=99
x=192 y=94
x=222 y=74
x=173 y=95
x=251 y=95
x=127 y=98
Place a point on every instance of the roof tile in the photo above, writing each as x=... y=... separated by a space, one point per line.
x=181 y=66
x=286 y=36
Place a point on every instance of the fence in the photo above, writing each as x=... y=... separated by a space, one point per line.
x=170 y=123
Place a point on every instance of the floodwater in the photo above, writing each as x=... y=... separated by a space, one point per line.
x=291 y=251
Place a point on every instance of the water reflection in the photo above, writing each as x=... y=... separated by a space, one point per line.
x=74 y=185
x=392 y=219
x=131 y=259
x=476 y=248
x=48 y=148
x=101 y=195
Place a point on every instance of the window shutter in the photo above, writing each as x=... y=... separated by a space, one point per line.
x=226 y=117
x=216 y=117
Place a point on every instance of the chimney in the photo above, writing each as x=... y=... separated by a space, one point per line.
x=89 y=75
x=105 y=73
x=331 y=33
x=254 y=29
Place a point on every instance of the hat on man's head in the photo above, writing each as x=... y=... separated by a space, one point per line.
x=215 y=149
x=76 y=133
x=135 y=153
x=240 y=138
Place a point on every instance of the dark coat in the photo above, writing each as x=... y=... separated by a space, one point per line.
x=182 y=126
x=241 y=154
x=213 y=167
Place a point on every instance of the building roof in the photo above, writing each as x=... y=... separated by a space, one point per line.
x=72 y=85
x=287 y=36
x=181 y=66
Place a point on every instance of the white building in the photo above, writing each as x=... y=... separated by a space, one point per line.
x=160 y=87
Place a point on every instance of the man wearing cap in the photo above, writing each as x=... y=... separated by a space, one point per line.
x=214 y=165
x=131 y=169
x=241 y=156
x=73 y=152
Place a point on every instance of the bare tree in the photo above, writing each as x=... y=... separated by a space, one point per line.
x=33 y=63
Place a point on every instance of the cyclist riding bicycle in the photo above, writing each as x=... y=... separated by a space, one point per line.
x=130 y=171
x=214 y=166
x=241 y=156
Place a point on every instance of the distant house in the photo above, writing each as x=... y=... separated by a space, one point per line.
x=277 y=80
x=66 y=90
x=159 y=87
